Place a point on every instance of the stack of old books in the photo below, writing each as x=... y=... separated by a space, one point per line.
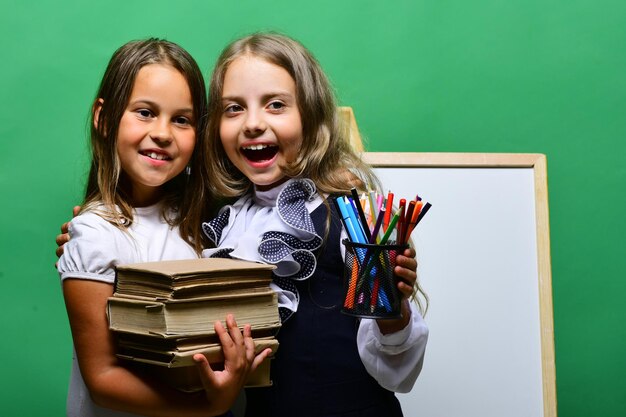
x=163 y=313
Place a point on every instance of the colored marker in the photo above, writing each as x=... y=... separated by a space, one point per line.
x=361 y=214
x=401 y=221
x=389 y=230
x=388 y=211
x=379 y=222
x=369 y=259
x=347 y=222
x=373 y=206
x=407 y=221
x=413 y=220
x=351 y=212
x=425 y=209
x=351 y=295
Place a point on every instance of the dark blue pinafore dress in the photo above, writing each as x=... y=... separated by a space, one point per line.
x=317 y=371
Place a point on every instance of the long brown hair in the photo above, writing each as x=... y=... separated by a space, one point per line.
x=106 y=186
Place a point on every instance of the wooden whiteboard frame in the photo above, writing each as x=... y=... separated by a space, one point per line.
x=348 y=122
x=537 y=163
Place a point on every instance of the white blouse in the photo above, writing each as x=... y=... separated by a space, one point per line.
x=394 y=360
x=96 y=247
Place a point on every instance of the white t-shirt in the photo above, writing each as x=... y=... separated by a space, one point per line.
x=96 y=247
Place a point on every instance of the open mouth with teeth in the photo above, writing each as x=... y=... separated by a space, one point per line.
x=155 y=155
x=258 y=153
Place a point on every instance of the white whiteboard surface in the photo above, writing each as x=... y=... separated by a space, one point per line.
x=483 y=253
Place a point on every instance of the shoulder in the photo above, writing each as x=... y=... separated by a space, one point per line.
x=89 y=222
x=94 y=249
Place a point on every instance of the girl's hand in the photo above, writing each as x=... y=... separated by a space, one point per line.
x=406 y=271
x=239 y=361
x=64 y=236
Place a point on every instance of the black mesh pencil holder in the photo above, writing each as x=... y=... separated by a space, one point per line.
x=370 y=285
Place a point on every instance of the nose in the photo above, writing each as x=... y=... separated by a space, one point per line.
x=161 y=132
x=254 y=125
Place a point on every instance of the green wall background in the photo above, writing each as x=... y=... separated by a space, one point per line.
x=434 y=76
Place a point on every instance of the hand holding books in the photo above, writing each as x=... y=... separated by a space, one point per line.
x=166 y=314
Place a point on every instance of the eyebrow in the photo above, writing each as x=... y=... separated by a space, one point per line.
x=151 y=103
x=264 y=97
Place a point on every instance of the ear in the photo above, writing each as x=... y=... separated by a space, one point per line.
x=97 y=107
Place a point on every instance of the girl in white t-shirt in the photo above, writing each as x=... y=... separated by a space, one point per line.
x=144 y=201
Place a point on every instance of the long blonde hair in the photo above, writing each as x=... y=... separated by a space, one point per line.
x=325 y=152
x=326 y=156
x=106 y=185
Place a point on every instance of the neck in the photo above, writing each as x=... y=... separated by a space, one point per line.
x=271 y=186
x=142 y=196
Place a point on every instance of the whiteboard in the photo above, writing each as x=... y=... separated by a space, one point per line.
x=484 y=261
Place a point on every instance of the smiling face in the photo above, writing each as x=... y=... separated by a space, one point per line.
x=156 y=135
x=260 y=126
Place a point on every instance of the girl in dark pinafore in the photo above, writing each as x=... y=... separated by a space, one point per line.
x=276 y=144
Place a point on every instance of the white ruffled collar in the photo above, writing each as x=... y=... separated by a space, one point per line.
x=274 y=227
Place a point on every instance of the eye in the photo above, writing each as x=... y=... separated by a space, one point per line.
x=232 y=109
x=182 y=121
x=145 y=113
x=276 y=105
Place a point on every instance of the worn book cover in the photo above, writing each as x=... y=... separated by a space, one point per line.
x=177 y=359
x=178 y=343
x=191 y=277
x=191 y=316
